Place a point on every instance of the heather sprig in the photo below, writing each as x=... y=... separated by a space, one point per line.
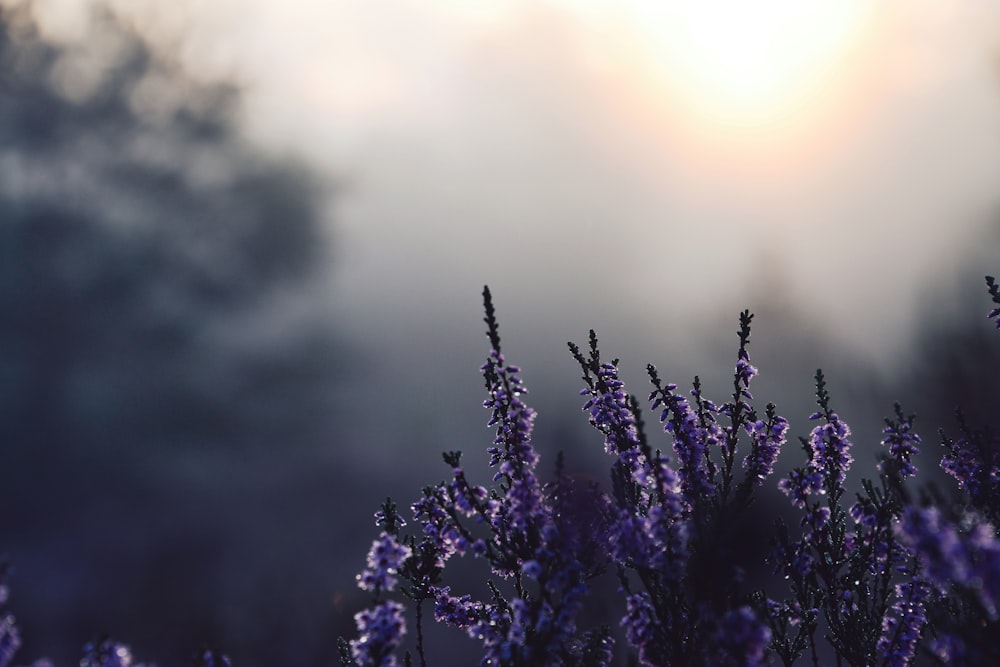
x=10 y=639
x=740 y=411
x=380 y=631
x=672 y=536
x=792 y=628
x=741 y=639
x=382 y=626
x=105 y=652
x=958 y=547
x=994 y=290
x=101 y=651
x=10 y=636
x=903 y=626
x=848 y=573
x=901 y=441
x=973 y=460
x=542 y=554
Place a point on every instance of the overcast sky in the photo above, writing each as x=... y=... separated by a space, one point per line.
x=635 y=166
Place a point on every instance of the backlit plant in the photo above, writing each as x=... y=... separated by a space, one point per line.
x=874 y=579
x=889 y=576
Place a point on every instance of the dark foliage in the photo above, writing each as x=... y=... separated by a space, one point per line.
x=148 y=353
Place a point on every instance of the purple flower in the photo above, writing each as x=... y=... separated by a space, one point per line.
x=815 y=519
x=969 y=559
x=670 y=501
x=532 y=568
x=864 y=514
x=642 y=629
x=514 y=420
x=521 y=509
x=744 y=370
x=631 y=540
x=974 y=462
x=461 y=612
x=380 y=631
x=936 y=542
x=666 y=532
x=388 y=518
x=440 y=532
x=994 y=290
x=742 y=639
x=657 y=541
x=690 y=441
x=768 y=438
x=903 y=626
x=829 y=455
x=962 y=462
x=610 y=412
x=650 y=537
x=488 y=623
x=800 y=483
x=106 y=653
x=10 y=639
x=949 y=649
x=902 y=443
x=784 y=612
x=385 y=559
x=802 y=563
x=830 y=445
x=467 y=499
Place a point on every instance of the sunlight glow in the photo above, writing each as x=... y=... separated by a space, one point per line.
x=747 y=71
x=750 y=55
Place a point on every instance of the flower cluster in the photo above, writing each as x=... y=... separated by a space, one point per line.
x=10 y=637
x=863 y=577
x=380 y=631
x=960 y=565
x=902 y=443
x=539 y=548
x=105 y=652
x=843 y=567
x=384 y=562
x=100 y=652
x=903 y=626
x=874 y=579
x=973 y=459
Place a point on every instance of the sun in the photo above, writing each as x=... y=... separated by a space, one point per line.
x=747 y=70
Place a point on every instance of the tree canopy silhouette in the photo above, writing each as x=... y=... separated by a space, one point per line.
x=152 y=341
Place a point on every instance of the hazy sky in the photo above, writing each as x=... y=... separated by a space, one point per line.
x=647 y=168
x=660 y=160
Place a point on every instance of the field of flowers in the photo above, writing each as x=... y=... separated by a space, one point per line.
x=896 y=574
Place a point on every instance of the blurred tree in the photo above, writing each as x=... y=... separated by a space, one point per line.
x=157 y=350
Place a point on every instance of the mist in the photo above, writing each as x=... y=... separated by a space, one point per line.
x=243 y=247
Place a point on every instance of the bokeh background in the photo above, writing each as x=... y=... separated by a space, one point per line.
x=242 y=246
